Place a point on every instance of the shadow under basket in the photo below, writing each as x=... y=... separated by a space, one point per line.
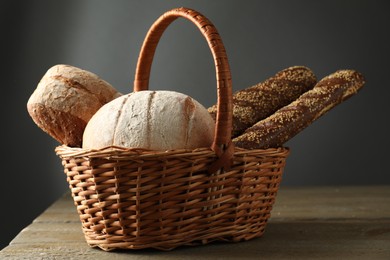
x=134 y=199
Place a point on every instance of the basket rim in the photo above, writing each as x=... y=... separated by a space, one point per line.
x=65 y=151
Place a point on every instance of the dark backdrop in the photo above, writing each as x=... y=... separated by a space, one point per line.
x=347 y=146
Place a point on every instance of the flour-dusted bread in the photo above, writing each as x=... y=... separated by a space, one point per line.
x=64 y=101
x=155 y=120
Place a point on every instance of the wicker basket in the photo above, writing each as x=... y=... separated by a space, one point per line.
x=136 y=198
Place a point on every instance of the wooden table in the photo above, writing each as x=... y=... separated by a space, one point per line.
x=306 y=223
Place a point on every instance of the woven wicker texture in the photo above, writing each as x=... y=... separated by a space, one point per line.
x=134 y=198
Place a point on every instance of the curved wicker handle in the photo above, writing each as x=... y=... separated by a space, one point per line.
x=222 y=135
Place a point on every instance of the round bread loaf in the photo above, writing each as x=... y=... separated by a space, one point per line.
x=155 y=120
x=64 y=101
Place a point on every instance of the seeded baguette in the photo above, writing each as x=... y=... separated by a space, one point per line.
x=288 y=121
x=252 y=104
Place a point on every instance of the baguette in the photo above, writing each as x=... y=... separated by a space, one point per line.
x=288 y=121
x=259 y=101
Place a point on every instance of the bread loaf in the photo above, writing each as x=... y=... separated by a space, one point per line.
x=252 y=104
x=155 y=120
x=64 y=101
x=288 y=121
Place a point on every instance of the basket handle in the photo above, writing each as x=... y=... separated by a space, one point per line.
x=222 y=144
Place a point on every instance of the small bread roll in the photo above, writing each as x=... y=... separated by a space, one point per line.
x=64 y=101
x=155 y=120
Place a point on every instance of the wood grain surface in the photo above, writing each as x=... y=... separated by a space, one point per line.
x=351 y=222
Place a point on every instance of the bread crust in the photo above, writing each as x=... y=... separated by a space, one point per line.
x=155 y=120
x=259 y=101
x=65 y=99
x=62 y=126
x=289 y=120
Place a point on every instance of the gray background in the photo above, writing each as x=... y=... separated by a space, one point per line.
x=347 y=146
